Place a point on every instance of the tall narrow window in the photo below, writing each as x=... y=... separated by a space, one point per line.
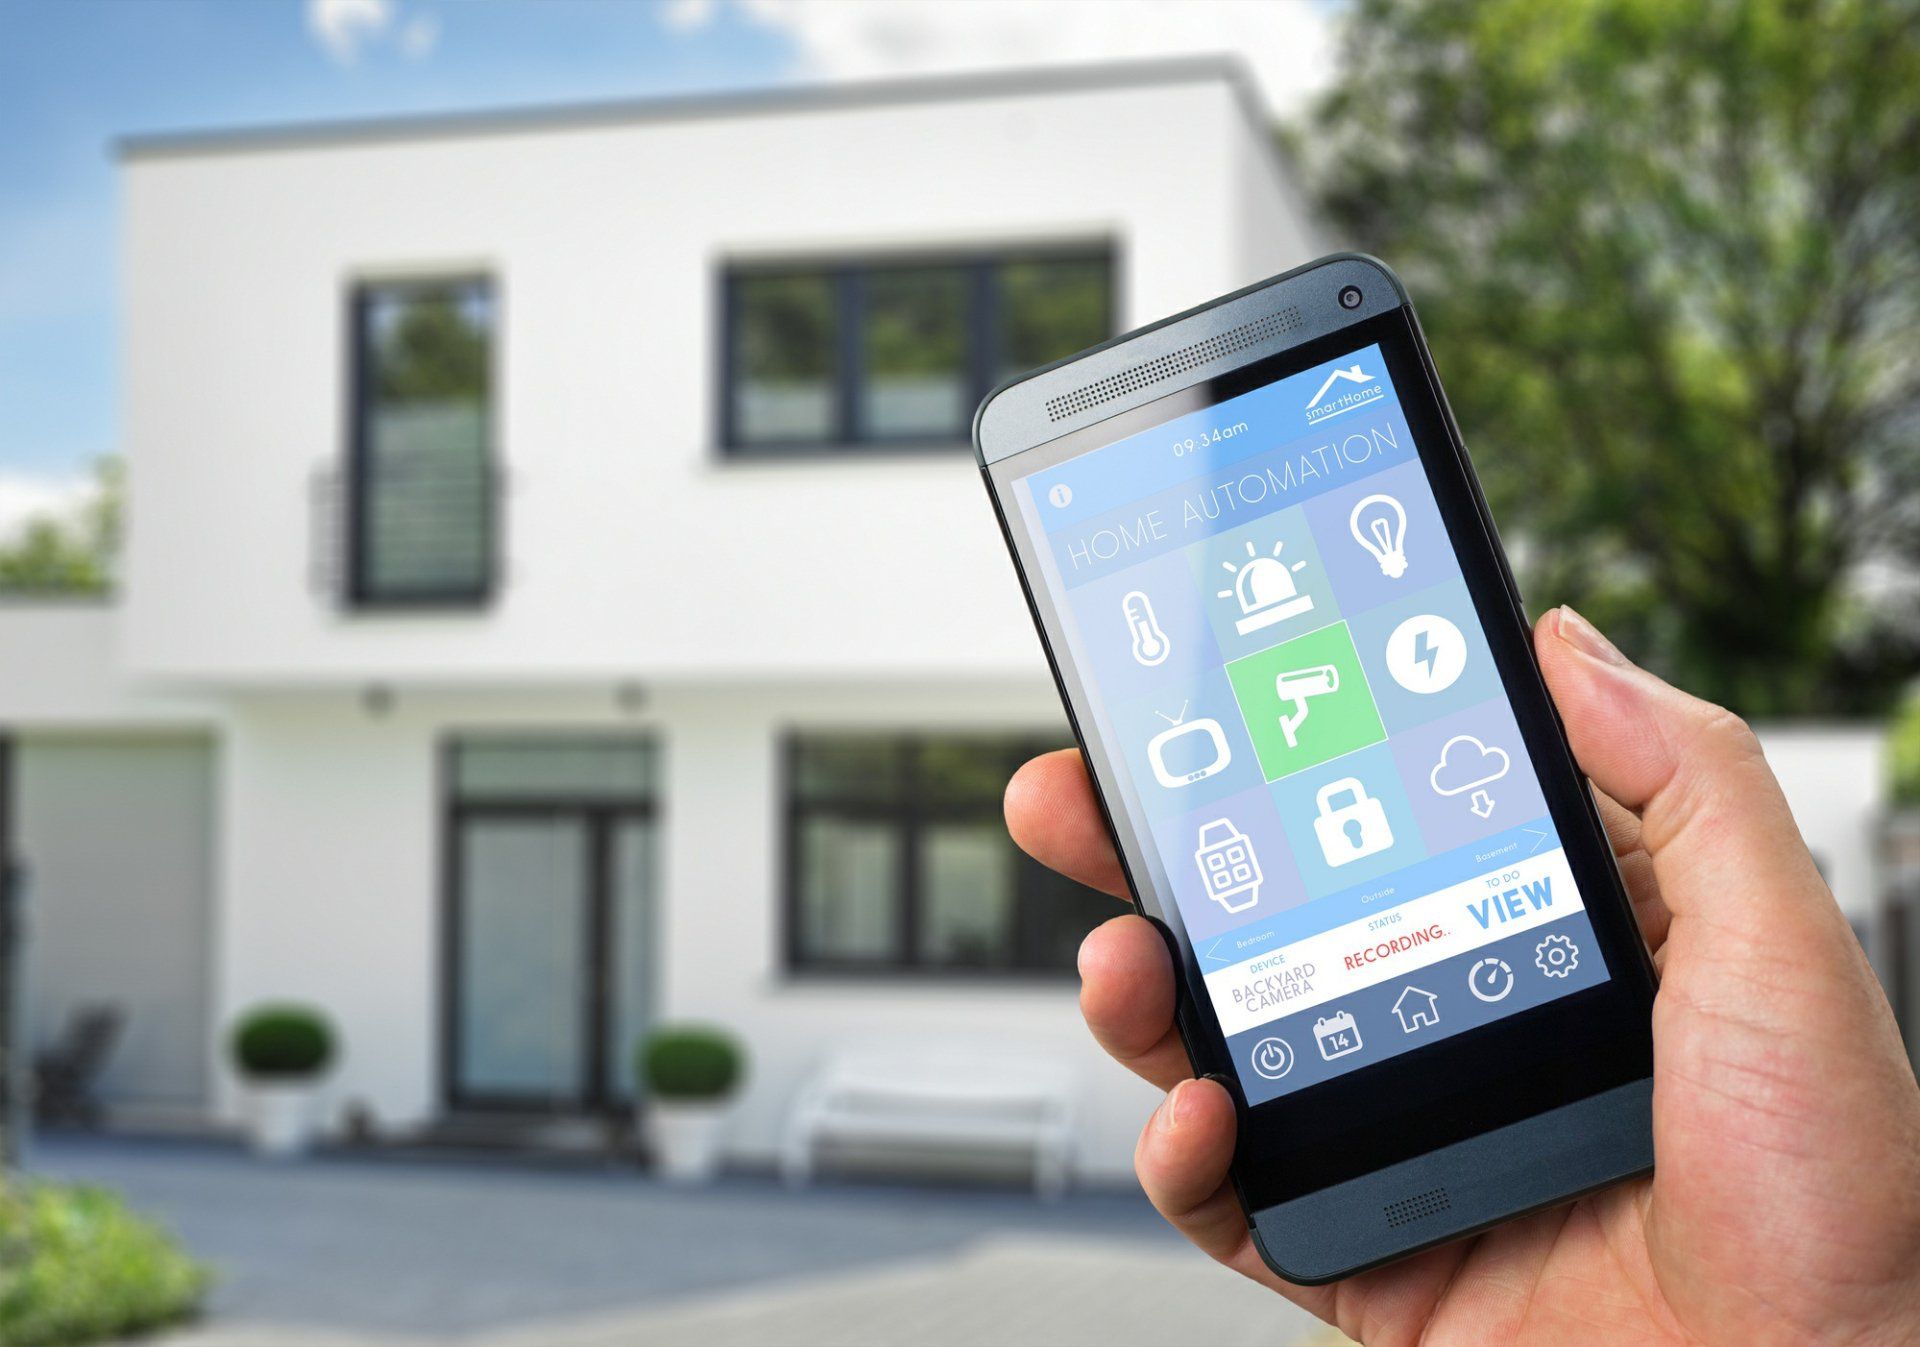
x=890 y=353
x=420 y=530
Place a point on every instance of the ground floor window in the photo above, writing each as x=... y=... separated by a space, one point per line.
x=898 y=859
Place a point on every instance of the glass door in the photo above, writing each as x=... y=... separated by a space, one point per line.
x=522 y=1015
x=551 y=849
x=631 y=849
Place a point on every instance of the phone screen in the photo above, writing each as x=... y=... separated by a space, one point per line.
x=1315 y=751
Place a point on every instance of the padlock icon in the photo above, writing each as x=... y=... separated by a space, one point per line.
x=1352 y=830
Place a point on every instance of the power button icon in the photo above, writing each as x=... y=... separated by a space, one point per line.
x=1272 y=1058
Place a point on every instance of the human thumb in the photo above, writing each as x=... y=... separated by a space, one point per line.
x=1722 y=840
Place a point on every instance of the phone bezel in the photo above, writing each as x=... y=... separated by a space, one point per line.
x=1527 y=1065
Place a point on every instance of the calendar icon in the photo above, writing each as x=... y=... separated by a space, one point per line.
x=1337 y=1035
x=1228 y=866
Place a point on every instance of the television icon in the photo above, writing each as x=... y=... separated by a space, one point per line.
x=1179 y=758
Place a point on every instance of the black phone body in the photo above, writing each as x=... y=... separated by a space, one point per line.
x=1297 y=663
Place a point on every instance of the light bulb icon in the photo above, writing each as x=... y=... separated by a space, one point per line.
x=1379 y=524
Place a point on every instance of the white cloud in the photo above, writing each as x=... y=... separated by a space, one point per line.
x=682 y=16
x=342 y=26
x=419 y=36
x=24 y=496
x=347 y=28
x=1288 y=44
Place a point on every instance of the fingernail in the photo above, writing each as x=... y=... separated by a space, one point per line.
x=1080 y=958
x=1177 y=1107
x=1583 y=636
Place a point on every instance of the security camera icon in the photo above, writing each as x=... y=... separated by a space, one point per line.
x=1294 y=687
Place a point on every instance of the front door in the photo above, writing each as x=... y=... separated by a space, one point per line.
x=548 y=926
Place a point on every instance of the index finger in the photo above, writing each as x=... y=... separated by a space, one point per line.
x=1054 y=818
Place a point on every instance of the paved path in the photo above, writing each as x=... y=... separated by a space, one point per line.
x=1059 y=1292
x=359 y=1252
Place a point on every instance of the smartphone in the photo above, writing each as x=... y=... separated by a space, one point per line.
x=1297 y=662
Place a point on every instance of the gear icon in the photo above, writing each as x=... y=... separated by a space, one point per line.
x=1556 y=956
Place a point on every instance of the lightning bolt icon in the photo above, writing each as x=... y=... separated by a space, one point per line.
x=1425 y=652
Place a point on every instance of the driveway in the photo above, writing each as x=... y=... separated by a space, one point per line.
x=333 y=1252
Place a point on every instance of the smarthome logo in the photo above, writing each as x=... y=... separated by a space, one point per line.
x=1344 y=390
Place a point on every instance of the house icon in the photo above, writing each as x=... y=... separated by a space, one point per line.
x=1417 y=1009
x=1353 y=374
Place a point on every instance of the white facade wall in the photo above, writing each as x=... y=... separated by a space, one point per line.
x=632 y=548
x=330 y=890
x=62 y=671
x=748 y=598
x=1835 y=780
x=1275 y=230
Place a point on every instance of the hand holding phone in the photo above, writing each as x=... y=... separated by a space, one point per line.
x=1758 y=1057
x=1431 y=1010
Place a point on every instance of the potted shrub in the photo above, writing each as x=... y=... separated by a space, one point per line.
x=690 y=1072
x=281 y=1052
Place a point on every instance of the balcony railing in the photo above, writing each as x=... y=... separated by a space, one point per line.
x=413 y=535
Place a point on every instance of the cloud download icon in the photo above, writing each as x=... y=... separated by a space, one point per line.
x=1467 y=764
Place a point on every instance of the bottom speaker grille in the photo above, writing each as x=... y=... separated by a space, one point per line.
x=1420 y=1205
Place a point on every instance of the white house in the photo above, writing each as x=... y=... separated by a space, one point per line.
x=559 y=598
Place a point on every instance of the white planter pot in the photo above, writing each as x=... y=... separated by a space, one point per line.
x=280 y=1117
x=685 y=1139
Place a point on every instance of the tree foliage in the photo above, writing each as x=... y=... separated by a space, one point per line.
x=72 y=553
x=1668 y=259
x=432 y=346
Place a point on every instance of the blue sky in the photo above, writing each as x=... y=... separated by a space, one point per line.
x=75 y=75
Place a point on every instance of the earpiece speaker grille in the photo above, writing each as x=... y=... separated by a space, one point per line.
x=1163 y=367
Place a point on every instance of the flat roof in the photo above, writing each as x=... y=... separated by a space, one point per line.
x=781 y=101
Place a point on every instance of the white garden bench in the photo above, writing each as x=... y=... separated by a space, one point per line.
x=943 y=1100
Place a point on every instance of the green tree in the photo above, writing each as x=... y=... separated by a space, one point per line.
x=72 y=553
x=1668 y=259
x=433 y=346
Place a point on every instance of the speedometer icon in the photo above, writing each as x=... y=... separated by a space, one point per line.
x=1272 y=1058
x=1490 y=979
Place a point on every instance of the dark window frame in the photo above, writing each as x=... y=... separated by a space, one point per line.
x=849 y=276
x=910 y=810
x=601 y=814
x=357 y=592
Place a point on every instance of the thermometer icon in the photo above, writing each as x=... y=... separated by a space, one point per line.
x=1150 y=644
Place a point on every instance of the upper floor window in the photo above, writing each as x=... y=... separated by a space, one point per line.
x=896 y=353
x=898 y=859
x=421 y=485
